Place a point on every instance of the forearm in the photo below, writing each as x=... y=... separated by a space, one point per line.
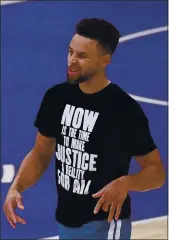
x=148 y=178
x=31 y=169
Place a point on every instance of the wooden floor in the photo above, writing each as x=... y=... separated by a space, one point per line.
x=156 y=228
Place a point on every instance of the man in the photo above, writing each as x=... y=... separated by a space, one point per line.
x=94 y=128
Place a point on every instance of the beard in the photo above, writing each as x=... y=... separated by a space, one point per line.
x=79 y=79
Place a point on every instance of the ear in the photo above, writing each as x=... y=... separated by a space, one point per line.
x=106 y=60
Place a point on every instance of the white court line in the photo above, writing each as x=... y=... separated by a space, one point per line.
x=55 y=237
x=149 y=220
x=149 y=100
x=143 y=33
x=9 y=2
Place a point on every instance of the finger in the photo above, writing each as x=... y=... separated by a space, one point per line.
x=99 y=204
x=10 y=212
x=98 y=194
x=118 y=211
x=111 y=212
x=19 y=203
x=20 y=220
x=11 y=223
x=106 y=207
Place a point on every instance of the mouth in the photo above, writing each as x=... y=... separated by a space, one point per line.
x=73 y=71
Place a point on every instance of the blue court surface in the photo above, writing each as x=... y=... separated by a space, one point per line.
x=35 y=38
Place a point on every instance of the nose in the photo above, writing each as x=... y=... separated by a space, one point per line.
x=72 y=59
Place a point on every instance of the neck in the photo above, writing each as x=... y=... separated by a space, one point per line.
x=95 y=84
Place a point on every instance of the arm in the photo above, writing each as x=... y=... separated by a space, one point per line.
x=31 y=169
x=151 y=176
x=139 y=143
x=34 y=163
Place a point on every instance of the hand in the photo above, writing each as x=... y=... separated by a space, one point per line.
x=113 y=196
x=13 y=200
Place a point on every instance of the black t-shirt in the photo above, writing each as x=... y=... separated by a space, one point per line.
x=97 y=135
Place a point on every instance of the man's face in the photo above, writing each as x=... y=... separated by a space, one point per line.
x=84 y=59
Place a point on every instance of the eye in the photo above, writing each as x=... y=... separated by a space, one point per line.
x=82 y=55
x=70 y=51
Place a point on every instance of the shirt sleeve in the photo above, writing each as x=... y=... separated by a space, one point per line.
x=140 y=140
x=45 y=119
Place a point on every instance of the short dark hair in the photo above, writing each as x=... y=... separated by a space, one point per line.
x=100 y=30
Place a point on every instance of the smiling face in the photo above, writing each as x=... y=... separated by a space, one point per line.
x=85 y=59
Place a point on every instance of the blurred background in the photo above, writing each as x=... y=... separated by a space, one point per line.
x=34 y=47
